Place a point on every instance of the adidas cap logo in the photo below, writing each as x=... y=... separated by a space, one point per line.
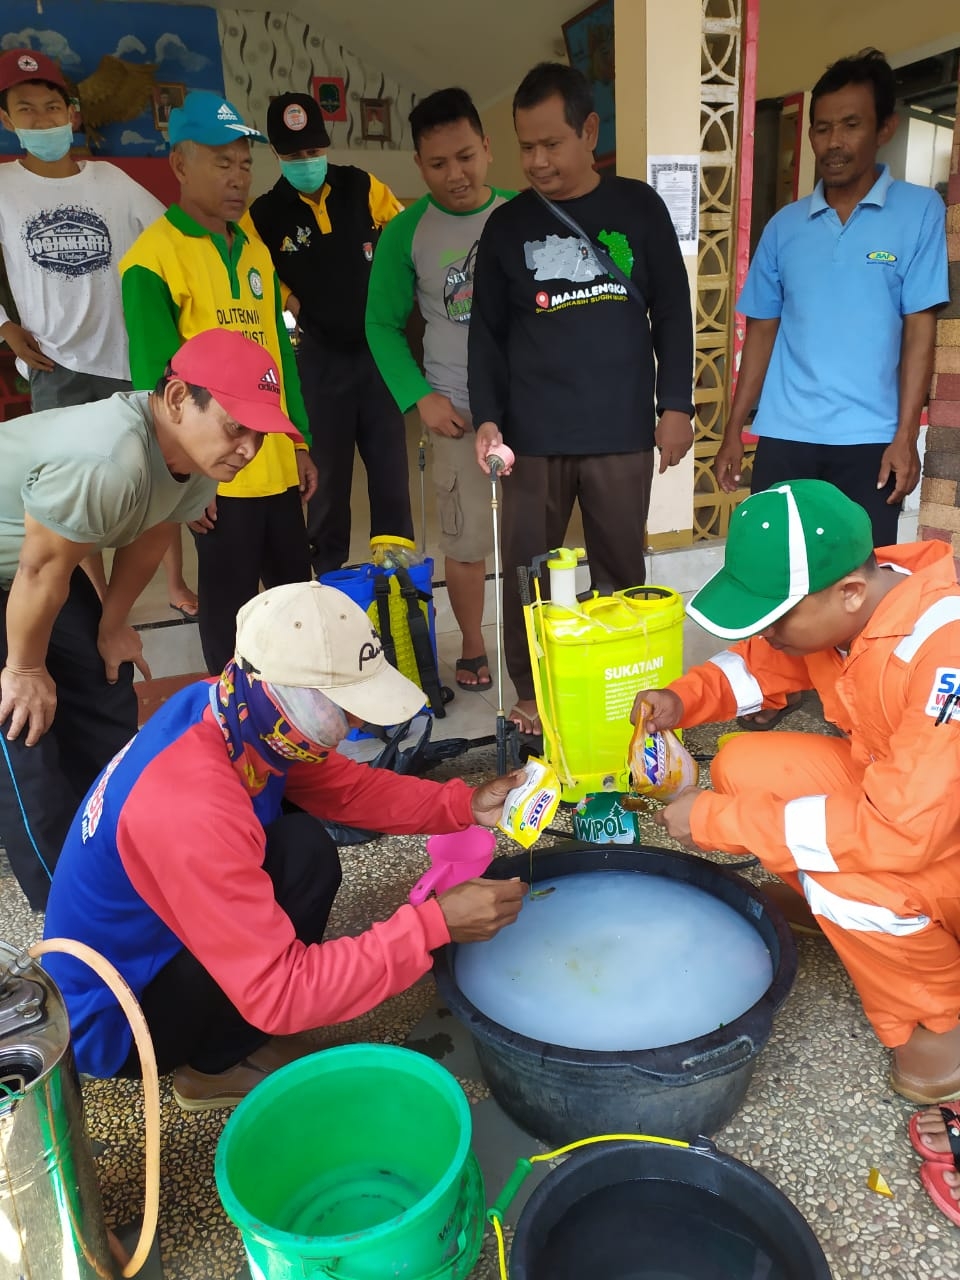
x=225 y=112
x=269 y=382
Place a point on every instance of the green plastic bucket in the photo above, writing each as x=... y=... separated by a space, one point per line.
x=354 y=1164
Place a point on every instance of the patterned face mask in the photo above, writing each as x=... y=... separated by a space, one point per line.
x=318 y=719
x=261 y=740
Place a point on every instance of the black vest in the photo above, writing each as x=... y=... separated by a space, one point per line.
x=328 y=273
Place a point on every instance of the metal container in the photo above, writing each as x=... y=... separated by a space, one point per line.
x=51 y=1218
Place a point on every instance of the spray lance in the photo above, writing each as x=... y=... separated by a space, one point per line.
x=500 y=459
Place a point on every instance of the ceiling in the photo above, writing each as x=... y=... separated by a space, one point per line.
x=487 y=47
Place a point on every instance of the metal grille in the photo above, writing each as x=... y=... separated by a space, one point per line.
x=721 y=79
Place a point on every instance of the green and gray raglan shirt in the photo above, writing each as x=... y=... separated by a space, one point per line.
x=426 y=254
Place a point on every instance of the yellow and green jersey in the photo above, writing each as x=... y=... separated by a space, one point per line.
x=179 y=279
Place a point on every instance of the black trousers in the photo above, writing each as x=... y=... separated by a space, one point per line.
x=349 y=408
x=41 y=786
x=191 y=1020
x=853 y=468
x=254 y=540
x=613 y=490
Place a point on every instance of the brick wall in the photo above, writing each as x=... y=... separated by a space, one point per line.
x=940 y=491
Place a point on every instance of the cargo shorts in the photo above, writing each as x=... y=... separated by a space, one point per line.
x=463 y=497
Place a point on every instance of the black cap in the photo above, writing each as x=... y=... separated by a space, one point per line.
x=295 y=123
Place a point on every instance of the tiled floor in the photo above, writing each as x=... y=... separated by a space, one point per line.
x=818 y=1115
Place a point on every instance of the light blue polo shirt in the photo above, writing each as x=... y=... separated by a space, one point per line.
x=840 y=291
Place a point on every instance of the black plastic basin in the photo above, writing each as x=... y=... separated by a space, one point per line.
x=559 y=1094
x=635 y=1211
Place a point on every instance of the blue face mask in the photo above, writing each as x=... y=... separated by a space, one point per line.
x=47 y=144
x=305 y=175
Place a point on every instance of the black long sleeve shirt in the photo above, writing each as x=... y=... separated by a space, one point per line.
x=561 y=358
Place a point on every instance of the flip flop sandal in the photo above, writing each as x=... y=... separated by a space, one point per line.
x=952 y=1119
x=936 y=1187
x=474 y=665
x=749 y=725
x=932 y=1171
x=530 y=726
x=182 y=609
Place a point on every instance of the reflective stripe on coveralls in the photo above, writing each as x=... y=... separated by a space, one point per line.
x=745 y=687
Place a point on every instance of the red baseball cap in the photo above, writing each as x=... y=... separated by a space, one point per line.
x=239 y=374
x=17 y=66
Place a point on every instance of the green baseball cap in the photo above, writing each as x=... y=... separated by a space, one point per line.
x=783 y=544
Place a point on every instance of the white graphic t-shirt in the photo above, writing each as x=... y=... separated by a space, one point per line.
x=62 y=239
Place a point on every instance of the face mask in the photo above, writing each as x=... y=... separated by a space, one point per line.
x=305 y=175
x=47 y=144
x=318 y=719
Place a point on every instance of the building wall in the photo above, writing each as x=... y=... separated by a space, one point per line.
x=940 y=490
x=797 y=41
x=265 y=54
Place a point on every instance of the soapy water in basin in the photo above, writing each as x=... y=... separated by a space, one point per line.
x=617 y=961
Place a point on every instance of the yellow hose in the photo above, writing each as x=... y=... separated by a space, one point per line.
x=151 y=1081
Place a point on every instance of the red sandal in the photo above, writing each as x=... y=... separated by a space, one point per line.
x=933 y=1171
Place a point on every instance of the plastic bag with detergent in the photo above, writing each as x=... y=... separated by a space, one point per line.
x=531 y=805
x=601 y=818
x=660 y=765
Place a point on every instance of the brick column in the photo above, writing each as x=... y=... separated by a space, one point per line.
x=940 y=492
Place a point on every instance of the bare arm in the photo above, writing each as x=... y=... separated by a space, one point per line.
x=916 y=369
x=754 y=362
x=27 y=694
x=133 y=567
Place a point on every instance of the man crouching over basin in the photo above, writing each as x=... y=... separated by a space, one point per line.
x=185 y=871
x=866 y=826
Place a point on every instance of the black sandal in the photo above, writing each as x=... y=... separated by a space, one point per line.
x=474 y=665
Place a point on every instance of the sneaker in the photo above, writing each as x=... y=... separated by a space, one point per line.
x=197 y=1091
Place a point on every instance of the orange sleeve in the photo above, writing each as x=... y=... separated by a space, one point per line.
x=902 y=817
x=738 y=681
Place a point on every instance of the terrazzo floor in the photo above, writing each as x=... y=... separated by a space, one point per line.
x=818 y=1114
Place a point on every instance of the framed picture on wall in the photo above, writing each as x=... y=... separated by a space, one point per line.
x=331 y=94
x=165 y=98
x=590 y=48
x=375 y=119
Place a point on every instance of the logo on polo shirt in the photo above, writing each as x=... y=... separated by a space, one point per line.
x=69 y=241
x=255 y=281
x=881 y=255
x=269 y=382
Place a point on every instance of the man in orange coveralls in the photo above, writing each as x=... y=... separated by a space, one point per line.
x=867 y=827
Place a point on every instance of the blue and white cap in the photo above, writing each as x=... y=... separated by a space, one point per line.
x=208 y=119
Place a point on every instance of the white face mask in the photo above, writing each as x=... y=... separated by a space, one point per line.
x=320 y=721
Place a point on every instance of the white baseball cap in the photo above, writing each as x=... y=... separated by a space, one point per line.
x=315 y=637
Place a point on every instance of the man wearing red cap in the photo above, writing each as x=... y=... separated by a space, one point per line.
x=65 y=223
x=120 y=473
x=194 y=269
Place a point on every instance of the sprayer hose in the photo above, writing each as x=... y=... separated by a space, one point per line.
x=151 y=1082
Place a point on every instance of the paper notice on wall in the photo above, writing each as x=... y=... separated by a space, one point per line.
x=676 y=180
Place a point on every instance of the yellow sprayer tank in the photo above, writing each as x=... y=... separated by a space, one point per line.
x=589 y=662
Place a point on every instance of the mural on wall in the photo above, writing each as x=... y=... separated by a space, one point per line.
x=589 y=40
x=132 y=63
x=265 y=54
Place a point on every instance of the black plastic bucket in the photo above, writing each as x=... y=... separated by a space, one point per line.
x=636 y=1211
x=560 y=1094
